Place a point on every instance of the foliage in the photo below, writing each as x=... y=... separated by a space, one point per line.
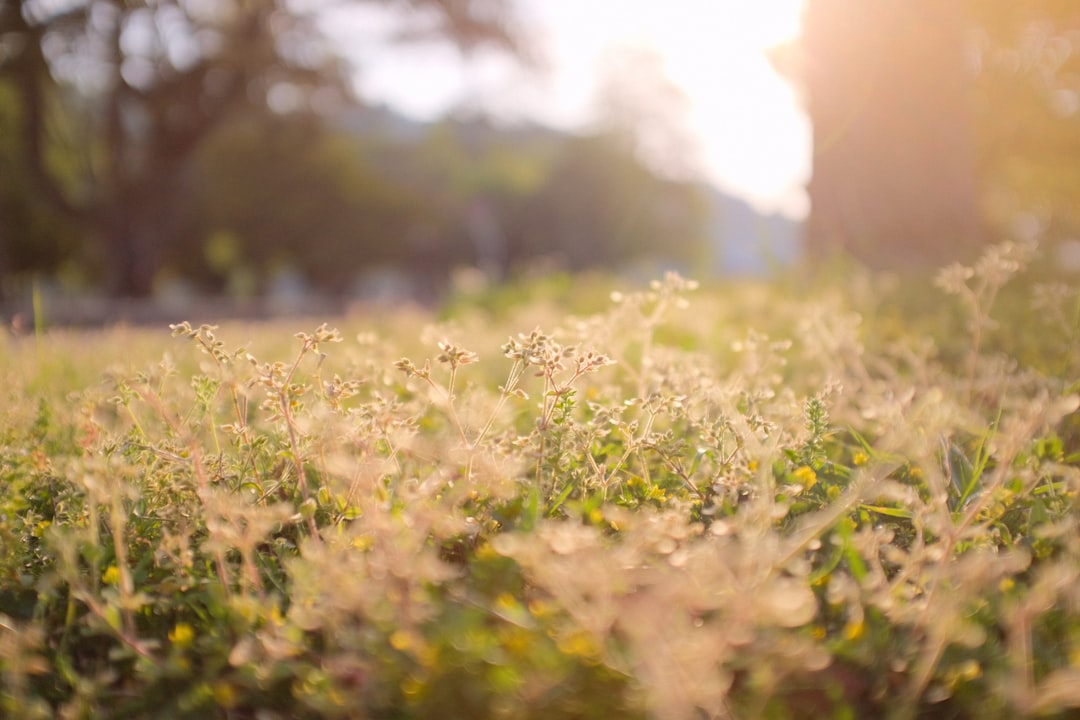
x=744 y=502
x=146 y=83
x=464 y=193
x=1028 y=97
x=32 y=240
x=320 y=207
x=600 y=205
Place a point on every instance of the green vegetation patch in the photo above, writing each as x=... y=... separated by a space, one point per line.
x=737 y=502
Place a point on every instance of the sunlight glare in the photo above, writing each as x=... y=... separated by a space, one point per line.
x=744 y=121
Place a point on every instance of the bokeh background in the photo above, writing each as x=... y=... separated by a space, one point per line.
x=267 y=156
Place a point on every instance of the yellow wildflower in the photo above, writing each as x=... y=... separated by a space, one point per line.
x=400 y=640
x=854 y=629
x=182 y=635
x=806 y=477
x=224 y=695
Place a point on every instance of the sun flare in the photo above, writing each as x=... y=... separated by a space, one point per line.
x=748 y=130
x=749 y=134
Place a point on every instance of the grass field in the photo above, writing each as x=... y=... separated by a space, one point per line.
x=844 y=498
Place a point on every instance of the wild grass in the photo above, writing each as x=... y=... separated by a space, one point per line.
x=739 y=502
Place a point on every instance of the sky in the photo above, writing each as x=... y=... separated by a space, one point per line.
x=745 y=129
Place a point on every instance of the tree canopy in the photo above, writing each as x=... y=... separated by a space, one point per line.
x=139 y=85
x=218 y=144
x=1027 y=92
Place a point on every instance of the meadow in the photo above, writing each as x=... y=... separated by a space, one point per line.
x=853 y=497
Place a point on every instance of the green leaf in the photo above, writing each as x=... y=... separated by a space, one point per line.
x=891 y=512
x=961 y=474
x=561 y=499
x=1040 y=514
x=530 y=515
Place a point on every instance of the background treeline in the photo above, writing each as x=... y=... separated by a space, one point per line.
x=147 y=143
x=218 y=146
x=348 y=204
x=337 y=205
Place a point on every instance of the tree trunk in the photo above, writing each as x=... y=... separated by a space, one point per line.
x=139 y=225
x=889 y=94
x=132 y=262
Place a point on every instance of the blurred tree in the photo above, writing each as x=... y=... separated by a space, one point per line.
x=477 y=176
x=150 y=79
x=333 y=211
x=889 y=92
x=499 y=198
x=936 y=123
x=600 y=206
x=637 y=99
x=33 y=241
